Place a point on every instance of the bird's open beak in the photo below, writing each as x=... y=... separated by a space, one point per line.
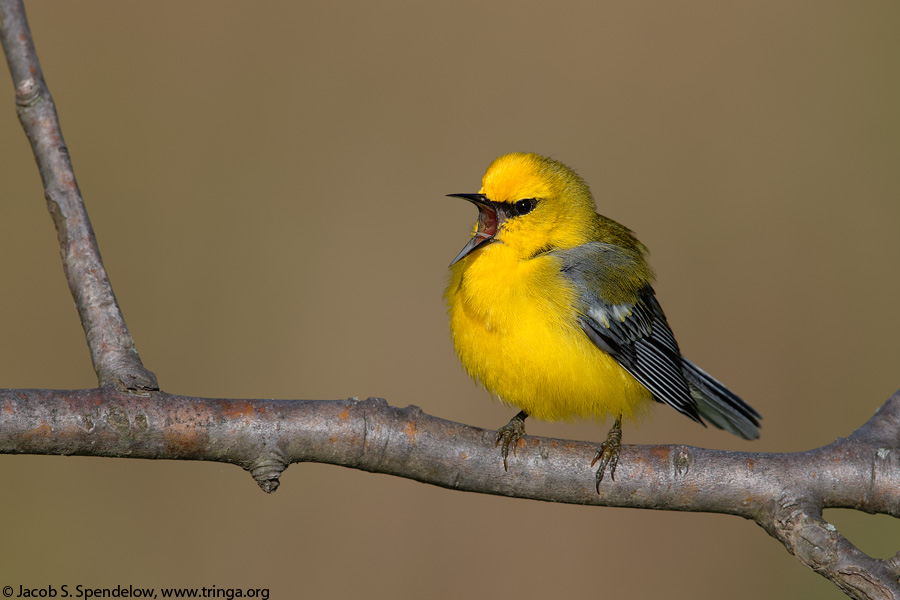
x=488 y=223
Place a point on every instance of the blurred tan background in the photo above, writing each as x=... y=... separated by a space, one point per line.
x=267 y=181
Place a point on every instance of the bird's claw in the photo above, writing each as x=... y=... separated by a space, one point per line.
x=608 y=456
x=509 y=435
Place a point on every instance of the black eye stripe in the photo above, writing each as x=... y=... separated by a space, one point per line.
x=523 y=207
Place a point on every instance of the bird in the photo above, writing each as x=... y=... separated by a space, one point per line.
x=552 y=310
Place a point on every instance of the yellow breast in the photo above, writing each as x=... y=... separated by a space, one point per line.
x=516 y=331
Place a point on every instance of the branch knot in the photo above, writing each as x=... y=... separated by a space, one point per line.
x=28 y=92
x=267 y=470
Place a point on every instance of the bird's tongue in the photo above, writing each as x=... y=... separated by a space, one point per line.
x=487 y=222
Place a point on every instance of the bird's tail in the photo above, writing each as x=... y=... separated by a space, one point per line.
x=719 y=405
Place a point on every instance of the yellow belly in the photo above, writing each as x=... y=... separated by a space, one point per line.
x=516 y=332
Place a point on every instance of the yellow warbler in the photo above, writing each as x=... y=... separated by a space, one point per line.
x=552 y=310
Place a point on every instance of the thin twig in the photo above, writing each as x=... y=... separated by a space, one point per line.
x=113 y=354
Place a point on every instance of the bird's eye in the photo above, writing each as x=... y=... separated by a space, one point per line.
x=523 y=207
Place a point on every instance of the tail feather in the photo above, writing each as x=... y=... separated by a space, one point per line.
x=719 y=405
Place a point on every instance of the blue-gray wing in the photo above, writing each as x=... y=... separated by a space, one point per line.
x=621 y=316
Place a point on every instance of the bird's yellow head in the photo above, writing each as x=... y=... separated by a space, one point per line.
x=531 y=204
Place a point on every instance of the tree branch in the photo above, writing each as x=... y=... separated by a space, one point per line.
x=113 y=354
x=784 y=493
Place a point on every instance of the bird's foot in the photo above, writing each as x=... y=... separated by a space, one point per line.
x=608 y=456
x=509 y=435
